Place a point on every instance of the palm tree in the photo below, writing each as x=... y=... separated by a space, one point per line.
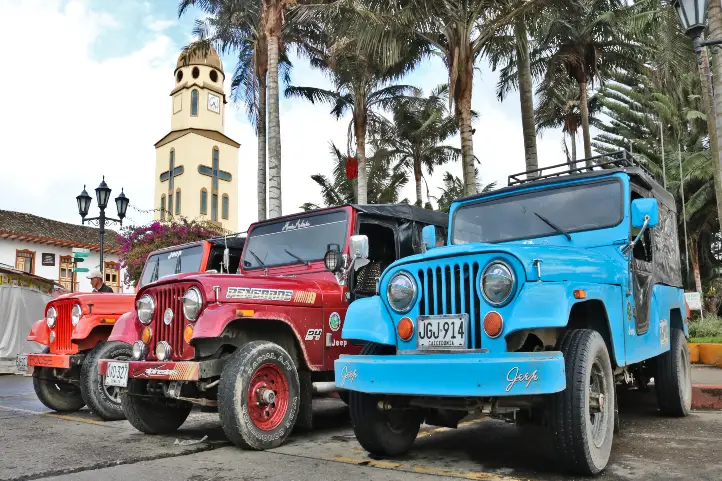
x=414 y=135
x=559 y=106
x=386 y=178
x=453 y=188
x=361 y=86
x=585 y=39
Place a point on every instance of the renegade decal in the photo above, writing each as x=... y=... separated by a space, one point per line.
x=304 y=297
x=313 y=334
x=334 y=321
x=514 y=376
x=253 y=293
x=346 y=374
x=663 y=333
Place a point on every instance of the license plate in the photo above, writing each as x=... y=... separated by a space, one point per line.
x=21 y=362
x=442 y=332
x=117 y=374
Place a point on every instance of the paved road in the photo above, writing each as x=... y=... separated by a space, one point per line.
x=36 y=444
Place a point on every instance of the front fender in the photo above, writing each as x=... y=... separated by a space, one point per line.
x=369 y=320
x=544 y=305
x=40 y=333
x=88 y=323
x=126 y=329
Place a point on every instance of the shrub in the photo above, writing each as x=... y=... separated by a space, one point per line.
x=137 y=242
x=710 y=326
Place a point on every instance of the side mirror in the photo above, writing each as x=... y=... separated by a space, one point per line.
x=428 y=235
x=645 y=213
x=359 y=247
x=333 y=258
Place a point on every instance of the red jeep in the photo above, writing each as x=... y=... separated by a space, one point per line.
x=77 y=325
x=258 y=345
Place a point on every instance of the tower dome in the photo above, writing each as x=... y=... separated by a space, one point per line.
x=211 y=59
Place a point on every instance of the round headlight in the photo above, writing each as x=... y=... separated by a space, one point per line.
x=138 y=350
x=192 y=302
x=497 y=283
x=51 y=316
x=401 y=291
x=75 y=314
x=145 y=307
x=162 y=351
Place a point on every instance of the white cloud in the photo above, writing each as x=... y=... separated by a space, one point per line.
x=72 y=119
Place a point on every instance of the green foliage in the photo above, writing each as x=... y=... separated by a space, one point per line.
x=706 y=340
x=137 y=242
x=453 y=188
x=709 y=327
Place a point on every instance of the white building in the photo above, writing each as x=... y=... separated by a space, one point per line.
x=43 y=247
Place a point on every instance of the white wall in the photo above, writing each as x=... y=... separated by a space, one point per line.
x=7 y=256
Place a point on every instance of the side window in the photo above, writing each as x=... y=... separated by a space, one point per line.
x=194 y=103
x=643 y=248
x=162 y=207
x=382 y=252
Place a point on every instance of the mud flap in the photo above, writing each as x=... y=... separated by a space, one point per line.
x=304 y=422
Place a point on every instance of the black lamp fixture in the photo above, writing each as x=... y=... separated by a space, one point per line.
x=102 y=195
x=692 y=15
x=84 y=201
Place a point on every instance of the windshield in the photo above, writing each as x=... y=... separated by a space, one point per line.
x=291 y=242
x=170 y=262
x=555 y=211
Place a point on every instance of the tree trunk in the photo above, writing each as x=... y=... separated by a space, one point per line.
x=584 y=110
x=715 y=115
x=417 y=179
x=694 y=254
x=360 y=133
x=261 y=121
x=463 y=113
x=274 y=131
x=573 y=135
x=526 y=96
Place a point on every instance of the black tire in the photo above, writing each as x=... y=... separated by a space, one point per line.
x=343 y=395
x=673 y=379
x=59 y=396
x=584 y=446
x=261 y=424
x=101 y=399
x=152 y=416
x=386 y=434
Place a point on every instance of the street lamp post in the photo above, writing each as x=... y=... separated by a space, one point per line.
x=102 y=194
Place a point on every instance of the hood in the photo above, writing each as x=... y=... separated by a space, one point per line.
x=101 y=302
x=604 y=265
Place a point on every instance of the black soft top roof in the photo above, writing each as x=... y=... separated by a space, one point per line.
x=233 y=241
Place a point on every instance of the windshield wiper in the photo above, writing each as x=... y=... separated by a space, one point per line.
x=302 y=261
x=260 y=262
x=554 y=226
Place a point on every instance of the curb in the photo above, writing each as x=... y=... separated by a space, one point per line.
x=706 y=396
x=710 y=354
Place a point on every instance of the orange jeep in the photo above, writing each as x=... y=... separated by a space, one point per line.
x=77 y=325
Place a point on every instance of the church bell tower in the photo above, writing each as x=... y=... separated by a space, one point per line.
x=196 y=172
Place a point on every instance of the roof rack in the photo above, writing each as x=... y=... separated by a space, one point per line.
x=620 y=158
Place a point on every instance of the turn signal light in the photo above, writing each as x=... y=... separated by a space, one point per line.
x=580 y=294
x=187 y=334
x=146 y=335
x=405 y=328
x=245 y=312
x=493 y=324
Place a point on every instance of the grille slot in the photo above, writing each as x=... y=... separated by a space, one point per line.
x=168 y=296
x=451 y=289
x=63 y=328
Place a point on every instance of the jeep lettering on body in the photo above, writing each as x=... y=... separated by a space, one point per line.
x=567 y=281
x=257 y=346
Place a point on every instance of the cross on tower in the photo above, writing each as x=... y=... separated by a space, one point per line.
x=215 y=173
x=172 y=172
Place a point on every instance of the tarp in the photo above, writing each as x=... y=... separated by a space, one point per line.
x=20 y=307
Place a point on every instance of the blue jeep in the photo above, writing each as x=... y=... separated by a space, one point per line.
x=550 y=293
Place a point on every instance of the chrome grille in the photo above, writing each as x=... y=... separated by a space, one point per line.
x=451 y=289
x=168 y=296
x=63 y=328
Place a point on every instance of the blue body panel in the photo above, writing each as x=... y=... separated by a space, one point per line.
x=370 y=321
x=459 y=374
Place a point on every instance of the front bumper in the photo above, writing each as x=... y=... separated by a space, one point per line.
x=166 y=371
x=26 y=363
x=454 y=374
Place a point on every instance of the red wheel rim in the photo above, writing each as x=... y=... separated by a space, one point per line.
x=265 y=409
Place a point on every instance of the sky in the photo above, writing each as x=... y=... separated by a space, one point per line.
x=87 y=86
